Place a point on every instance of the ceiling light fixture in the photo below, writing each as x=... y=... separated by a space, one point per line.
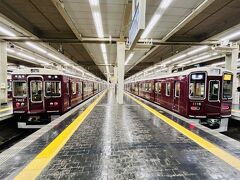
x=157 y=15
x=97 y=18
x=7 y=32
x=129 y=58
x=197 y=50
x=36 y=47
x=104 y=53
x=57 y=58
x=231 y=36
x=26 y=56
x=9 y=50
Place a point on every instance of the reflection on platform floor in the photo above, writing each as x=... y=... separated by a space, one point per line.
x=128 y=142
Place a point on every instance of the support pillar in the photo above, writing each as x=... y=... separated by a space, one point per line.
x=108 y=78
x=120 y=71
x=3 y=72
x=231 y=64
x=115 y=79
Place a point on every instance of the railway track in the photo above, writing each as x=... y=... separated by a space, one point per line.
x=10 y=134
x=233 y=129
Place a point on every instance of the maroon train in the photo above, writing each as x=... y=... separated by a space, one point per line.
x=203 y=93
x=39 y=93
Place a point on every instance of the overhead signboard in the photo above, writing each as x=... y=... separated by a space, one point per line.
x=138 y=22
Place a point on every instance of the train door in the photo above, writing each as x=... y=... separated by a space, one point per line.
x=35 y=91
x=176 y=96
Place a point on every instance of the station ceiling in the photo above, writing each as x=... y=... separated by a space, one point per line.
x=43 y=19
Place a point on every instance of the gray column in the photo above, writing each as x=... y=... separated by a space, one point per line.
x=3 y=72
x=115 y=78
x=231 y=64
x=120 y=71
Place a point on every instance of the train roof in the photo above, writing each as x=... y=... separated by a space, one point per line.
x=44 y=71
x=211 y=71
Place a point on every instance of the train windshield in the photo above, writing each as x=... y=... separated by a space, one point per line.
x=53 y=88
x=197 y=86
x=227 y=86
x=36 y=91
x=19 y=88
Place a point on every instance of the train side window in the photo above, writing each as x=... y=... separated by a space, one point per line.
x=168 y=89
x=197 y=86
x=227 y=86
x=67 y=88
x=19 y=88
x=213 y=90
x=177 y=89
x=53 y=88
x=79 y=87
x=156 y=87
x=36 y=91
x=74 y=88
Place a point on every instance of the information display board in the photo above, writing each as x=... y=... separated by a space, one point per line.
x=138 y=22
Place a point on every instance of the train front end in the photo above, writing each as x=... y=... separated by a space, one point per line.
x=210 y=97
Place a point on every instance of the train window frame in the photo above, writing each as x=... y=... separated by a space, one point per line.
x=175 y=92
x=209 y=86
x=13 y=89
x=74 y=90
x=205 y=86
x=60 y=83
x=226 y=98
x=31 y=91
x=166 y=90
x=79 y=84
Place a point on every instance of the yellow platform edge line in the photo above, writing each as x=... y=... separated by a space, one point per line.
x=5 y=109
x=214 y=149
x=35 y=167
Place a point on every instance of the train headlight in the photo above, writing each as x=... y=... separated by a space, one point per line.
x=22 y=104
x=51 y=103
x=55 y=103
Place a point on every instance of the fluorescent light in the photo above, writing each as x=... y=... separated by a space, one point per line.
x=129 y=58
x=26 y=56
x=104 y=53
x=10 y=50
x=36 y=47
x=218 y=64
x=94 y=2
x=7 y=32
x=53 y=56
x=202 y=57
x=151 y=24
x=42 y=62
x=197 y=50
x=97 y=18
x=157 y=15
x=57 y=58
x=231 y=36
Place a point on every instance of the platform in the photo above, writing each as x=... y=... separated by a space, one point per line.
x=131 y=141
x=6 y=111
x=236 y=111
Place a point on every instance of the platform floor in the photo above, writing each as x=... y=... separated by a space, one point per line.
x=6 y=110
x=236 y=111
x=128 y=142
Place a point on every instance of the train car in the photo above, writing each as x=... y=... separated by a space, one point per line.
x=39 y=93
x=9 y=86
x=203 y=93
